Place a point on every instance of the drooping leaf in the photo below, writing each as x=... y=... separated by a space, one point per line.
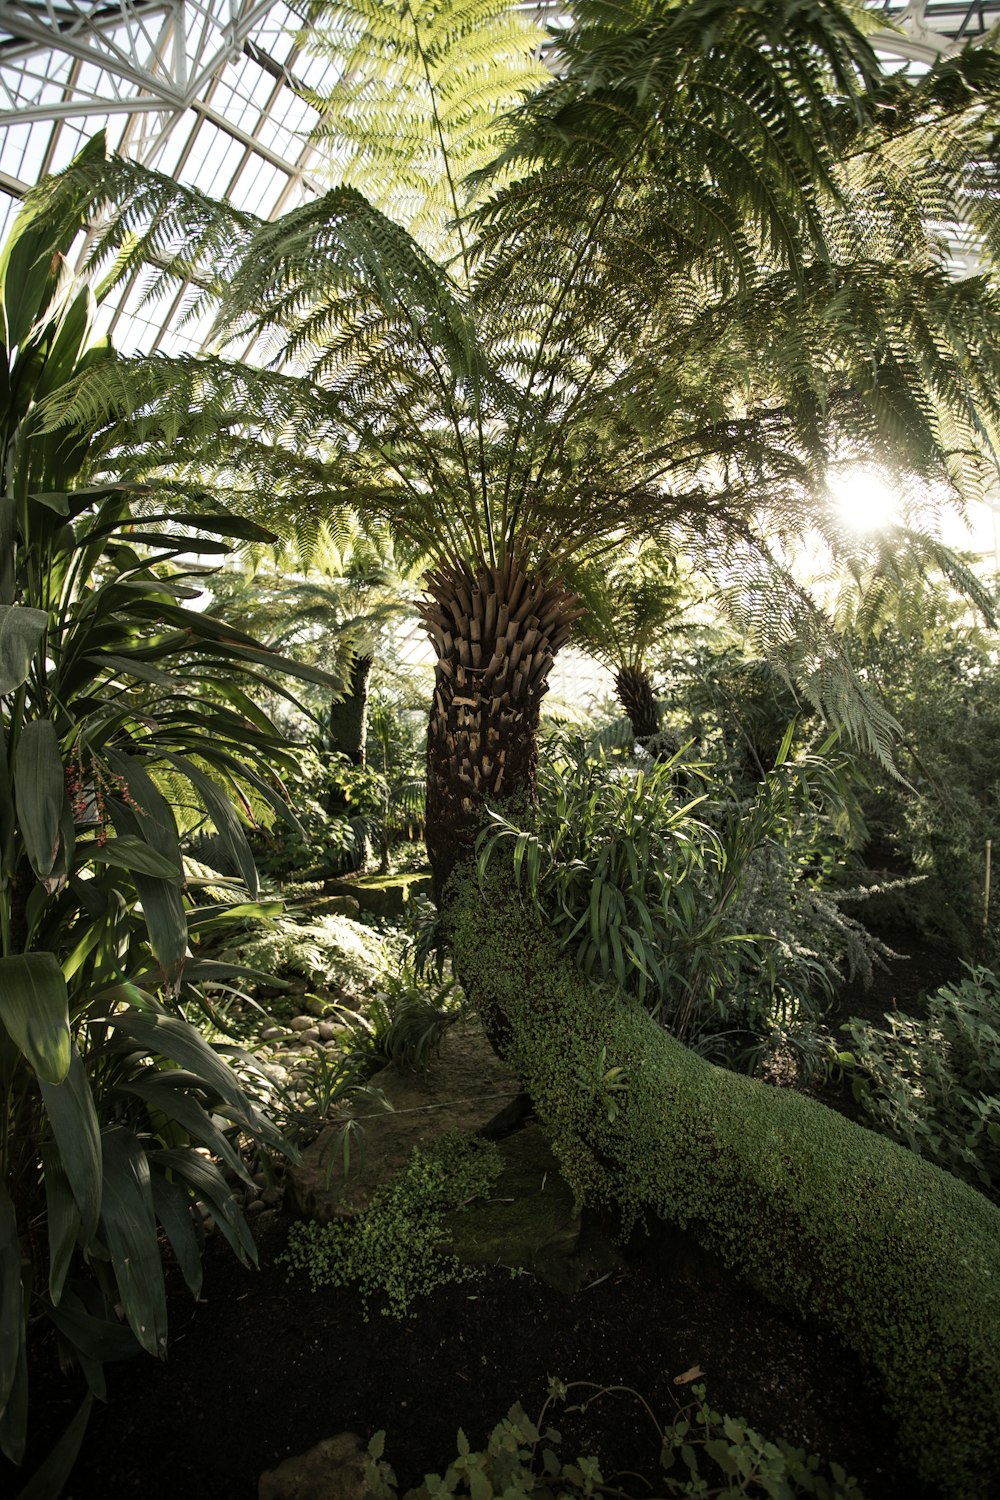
x=63 y=1219
x=40 y=793
x=98 y=1339
x=129 y=852
x=74 y=1123
x=21 y=630
x=128 y=1222
x=173 y=1038
x=34 y=1007
x=11 y=1298
x=173 y=1211
x=49 y=1480
x=224 y=816
x=212 y=1188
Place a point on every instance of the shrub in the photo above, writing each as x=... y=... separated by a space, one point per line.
x=934 y=1084
x=522 y=1457
x=397 y=1249
x=708 y=906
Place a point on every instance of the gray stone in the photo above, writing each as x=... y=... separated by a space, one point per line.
x=327 y=1032
x=464 y=1088
x=531 y=1221
x=311 y=1035
x=300 y=1023
x=333 y=1470
x=270 y=1032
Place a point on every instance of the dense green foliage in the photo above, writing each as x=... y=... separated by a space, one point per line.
x=397 y=1248
x=842 y=1225
x=934 y=1083
x=699 y=891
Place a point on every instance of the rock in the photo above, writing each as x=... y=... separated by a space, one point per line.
x=385 y=895
x=271 y=1032
x=311 y=1035
x=531 y=1221
x=333 y=1470
x=300 y=1023
x=327 y=1032
x=256 y=1207
x=463 y=1088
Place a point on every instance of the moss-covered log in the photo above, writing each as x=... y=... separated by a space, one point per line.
x=847 y=1229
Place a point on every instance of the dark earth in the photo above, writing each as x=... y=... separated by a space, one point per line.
x=263 y=1367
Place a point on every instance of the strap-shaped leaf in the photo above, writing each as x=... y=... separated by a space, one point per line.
x=73 y=1121
x=49 y=1479
x=97 y=1339
x=11 y=1298
x=63 y=1219
x=34 y=1007
x=14 y=1417
x=212 y=1188
x=39 y=793
x=151 y=811
x=21 y=631
x=159 y=1093
x=173 y=1210
x=128 y=1221
x=131 y=853
x=225 y=818
x=170 y=1037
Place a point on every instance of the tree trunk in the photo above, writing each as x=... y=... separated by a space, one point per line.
x=496 y=632
x=635 y=694
x=349 y=716
x=895 y=1257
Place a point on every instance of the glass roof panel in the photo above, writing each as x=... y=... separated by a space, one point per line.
x=205 y=90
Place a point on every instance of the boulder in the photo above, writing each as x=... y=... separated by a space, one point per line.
x=384 y=895
x=334 y=1469
x=531 y=1221
x=465 y=1087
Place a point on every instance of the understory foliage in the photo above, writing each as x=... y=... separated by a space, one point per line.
x=838 y=1223
x=943 y=678
x=701 y=896
x=397 y=1248
x=126 y=724
x=934 y=1083
x=722 y=1456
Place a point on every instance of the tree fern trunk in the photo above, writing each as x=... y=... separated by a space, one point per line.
x=496 y=632
x=349 y=716
x=635 y=694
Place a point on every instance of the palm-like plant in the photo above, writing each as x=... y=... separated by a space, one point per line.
x=707 y=261
x=631 y=604
x=123 y=712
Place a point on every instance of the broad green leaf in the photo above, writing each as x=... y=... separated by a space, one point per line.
x=212 y=1188
x=11 y=1298
x=166 y=923
x=147 y=805
x=159 y=1093
x=170 y=1037
x=173 y=1211
x=21 y=631
x=225 y=818
x=128 y=1221
x=39 y=793
x=131 y=853
x=98 y=1339
x=49 y=1480
x=74 y=1123
x=63 y=1218
x=34 y=1007
x=14 y=1417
